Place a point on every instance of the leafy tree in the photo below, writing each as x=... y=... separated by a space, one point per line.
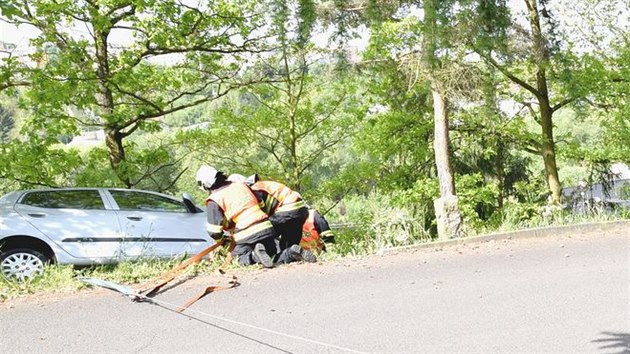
x=429 y=49
x=178 y=56
x=284 y=127
x=534 y=61
x=599 y=28
x=282 y=130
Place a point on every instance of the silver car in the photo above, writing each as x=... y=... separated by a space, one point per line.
x=86 y=226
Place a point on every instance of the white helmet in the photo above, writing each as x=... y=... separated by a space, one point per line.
x=235 y=177
x=206 y=176
x=252 y=179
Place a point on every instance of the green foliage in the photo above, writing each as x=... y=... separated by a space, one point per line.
x=376 y=221
x=36 y=163
x=477 y=200
x=283 y=133
x=95 y=170
x=178 y=56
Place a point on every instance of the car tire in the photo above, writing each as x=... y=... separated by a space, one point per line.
x=22 y=263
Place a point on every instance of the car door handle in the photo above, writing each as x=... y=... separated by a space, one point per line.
x=134 y=217
x=37 y=215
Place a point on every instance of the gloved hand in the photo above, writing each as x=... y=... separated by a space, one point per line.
x=227 y=238
x=218 y=238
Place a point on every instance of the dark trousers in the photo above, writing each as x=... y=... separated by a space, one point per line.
x=243 y=251
x=289 y=226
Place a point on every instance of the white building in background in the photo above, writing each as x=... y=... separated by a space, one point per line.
x=89 y=139
x=620 y=170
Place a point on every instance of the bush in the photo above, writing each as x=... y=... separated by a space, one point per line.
x=376 y=221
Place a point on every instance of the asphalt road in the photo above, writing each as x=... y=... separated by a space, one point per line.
x=552 y=294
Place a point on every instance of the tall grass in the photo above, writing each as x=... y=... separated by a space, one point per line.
x=556 y=217
x=374 y=222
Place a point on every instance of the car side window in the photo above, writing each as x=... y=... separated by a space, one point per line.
x=80 y=199
x=131 y=200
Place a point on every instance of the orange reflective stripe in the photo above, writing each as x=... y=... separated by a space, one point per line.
x=291 y=206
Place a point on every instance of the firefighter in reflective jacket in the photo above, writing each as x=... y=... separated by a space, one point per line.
x=232 y=206
x=315 y=232
x=267 y=202
x=287 y=212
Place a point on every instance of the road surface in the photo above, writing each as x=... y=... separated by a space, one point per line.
x=551 y=294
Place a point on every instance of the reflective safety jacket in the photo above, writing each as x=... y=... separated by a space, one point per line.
x=315 y=228
x=241 y=212
x=287 y=199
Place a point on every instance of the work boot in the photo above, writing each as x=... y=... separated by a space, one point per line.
x=300 y=254
x=259 y=255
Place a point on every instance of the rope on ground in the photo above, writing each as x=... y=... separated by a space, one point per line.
x=173 y=306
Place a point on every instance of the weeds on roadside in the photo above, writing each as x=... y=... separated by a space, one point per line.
x=56 y=278
x=64 y=278
x=374 y=222
x=516 y=219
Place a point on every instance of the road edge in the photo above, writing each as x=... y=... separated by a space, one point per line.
x=562 y=230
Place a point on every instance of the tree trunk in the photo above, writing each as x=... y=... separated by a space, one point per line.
x=440 y=145
x=105 y=98
x=500 y=172
x=447 y=214
x=549 y=152
x=446 y=207
x=541 y=58
x=114 y=143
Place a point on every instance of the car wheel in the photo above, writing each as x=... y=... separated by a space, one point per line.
x=22 y=263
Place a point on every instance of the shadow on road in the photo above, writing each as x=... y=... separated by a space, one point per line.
x=614 y=341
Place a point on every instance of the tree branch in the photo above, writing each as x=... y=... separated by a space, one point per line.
x=562 y=104
x=509 y=75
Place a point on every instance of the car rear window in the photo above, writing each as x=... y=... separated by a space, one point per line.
x=132 y=200
x=87 y=199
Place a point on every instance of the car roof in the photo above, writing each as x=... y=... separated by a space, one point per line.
x=15 y=195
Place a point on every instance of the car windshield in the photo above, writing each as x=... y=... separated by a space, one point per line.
x=9 y=198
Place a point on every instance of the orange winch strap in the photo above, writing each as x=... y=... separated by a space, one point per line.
x=234 y=283
x=152 y=287
x=228 y=258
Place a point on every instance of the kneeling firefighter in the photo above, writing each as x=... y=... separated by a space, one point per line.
x=231 y=206
x=315 y=232
x=287 y=212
